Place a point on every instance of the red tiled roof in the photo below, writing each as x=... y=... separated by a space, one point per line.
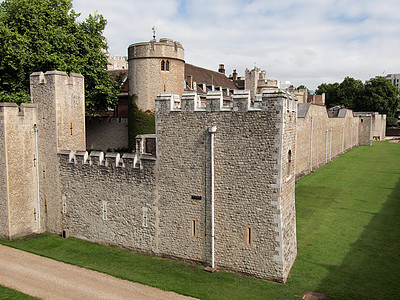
x=201 y=75
x=125 y=81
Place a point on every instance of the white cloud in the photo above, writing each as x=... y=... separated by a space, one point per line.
x=307 y=42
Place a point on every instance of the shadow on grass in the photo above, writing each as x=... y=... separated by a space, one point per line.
x=371 y=268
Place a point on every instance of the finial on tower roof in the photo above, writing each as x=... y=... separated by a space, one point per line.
x=154 y=32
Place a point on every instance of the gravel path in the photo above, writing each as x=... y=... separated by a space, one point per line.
x=49 y=279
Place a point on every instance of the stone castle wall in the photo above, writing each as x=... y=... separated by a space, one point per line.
x=109 y=199
x=321 y=138
x=18 y=161
x=106 y=133
x=159 y=201
x=146 y=79
x=378 y=126
x=61 y=125
x=248 y=155
x=163 y=205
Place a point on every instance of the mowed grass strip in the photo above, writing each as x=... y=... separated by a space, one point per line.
x=6 y=293
x=348 y=220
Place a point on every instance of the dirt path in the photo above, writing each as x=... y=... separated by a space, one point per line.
x=49 y=279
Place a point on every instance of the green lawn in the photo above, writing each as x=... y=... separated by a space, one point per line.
x=348 y=221
x=6 y=293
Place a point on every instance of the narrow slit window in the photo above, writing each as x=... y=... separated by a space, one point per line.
x=289 y=162
x=163 y=65
x=167 y=65
x=71 y=128
x=249 y=234
x=64 y=204
x=104 y=210
x=145 y=218
x=193 y=228
x=165 y=87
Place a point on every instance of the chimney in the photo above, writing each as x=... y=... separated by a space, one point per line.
x=235 y=75
x=189 y=81
x=221 y=69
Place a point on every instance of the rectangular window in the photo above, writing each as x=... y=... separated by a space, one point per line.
x=193 y=228
x=104 y=210
x=249 y=234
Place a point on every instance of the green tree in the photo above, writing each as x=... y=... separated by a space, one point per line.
x=349 y=93
x=331 y=91
x=302 y=87
x=380 y=95
x=43 y=35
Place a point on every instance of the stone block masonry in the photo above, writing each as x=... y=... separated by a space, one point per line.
x=161 y=204
x=253 y=182
x=322 y=137
x=109 y=199
x=19 y=213
x=60 y=104
x=215 y=184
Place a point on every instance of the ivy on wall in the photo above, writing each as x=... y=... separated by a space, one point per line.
x=139 y=122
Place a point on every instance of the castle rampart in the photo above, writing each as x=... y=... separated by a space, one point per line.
x=61 y=125
x=249 y=218
x=161 y=203
x=18 y=163
x=107 y=133
x=215 y=184
x=321 y=138
x=109 y=198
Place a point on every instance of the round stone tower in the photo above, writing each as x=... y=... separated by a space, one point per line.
x=155 y=67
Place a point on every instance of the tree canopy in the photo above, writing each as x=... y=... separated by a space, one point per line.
x=378 y=95
x=43 y=35
x=302 y=87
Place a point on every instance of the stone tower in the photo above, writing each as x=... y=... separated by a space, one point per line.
x=30 y=138
x=60 y=105
x=18 y=170
x=155 y=67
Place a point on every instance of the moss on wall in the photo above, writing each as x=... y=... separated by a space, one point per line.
x=139 y=122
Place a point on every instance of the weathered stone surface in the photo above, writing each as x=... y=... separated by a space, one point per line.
x=18 y=161
x=61 y=125
x=321 y=138
x=249 y=157
x=146 y=79
x=158 y=200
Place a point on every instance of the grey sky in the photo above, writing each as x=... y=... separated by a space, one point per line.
x=307 y=42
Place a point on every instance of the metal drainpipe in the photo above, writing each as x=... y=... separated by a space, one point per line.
x=37 y=175
x=326 y=148
x=330 y=146
x=212 y=130
x=342 y=139
x=311 y=142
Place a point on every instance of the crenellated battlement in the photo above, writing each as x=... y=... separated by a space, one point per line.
x=13 y=109
x=241 y=101
x=48 y=78
x=145 y=151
